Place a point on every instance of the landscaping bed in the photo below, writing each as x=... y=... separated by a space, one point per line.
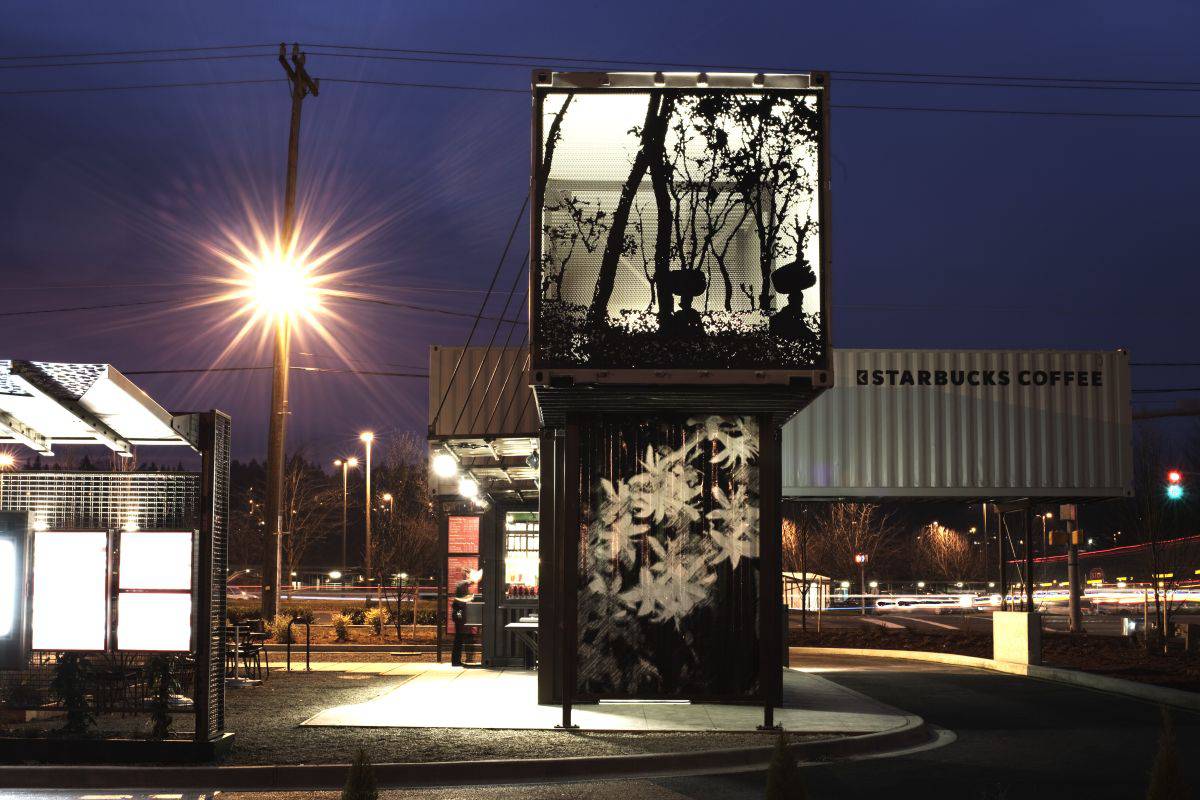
x=1102 y=655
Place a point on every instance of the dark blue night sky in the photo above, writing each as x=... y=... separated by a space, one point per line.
x=949 y=229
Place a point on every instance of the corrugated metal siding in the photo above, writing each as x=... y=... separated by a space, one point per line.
x=988 y=441
x=489 y=396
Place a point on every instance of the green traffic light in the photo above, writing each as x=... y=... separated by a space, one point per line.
x=1174 y=491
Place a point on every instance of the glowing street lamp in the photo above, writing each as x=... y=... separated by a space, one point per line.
x=278 y=285
x=861 y=560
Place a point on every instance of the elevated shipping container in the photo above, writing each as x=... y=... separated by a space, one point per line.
x=984 y=424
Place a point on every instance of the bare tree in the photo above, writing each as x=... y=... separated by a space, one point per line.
x=310 y=500
x=840 y=531
x=947 y=554
x=1156 y=520
x=406 y=526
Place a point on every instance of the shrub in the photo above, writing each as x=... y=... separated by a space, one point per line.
x=783 y=774
x=279 y=629
x=22 y=693
x=1166 y=779
x=358 y=616
x=360 y=782
x=375 y=617
x=341 y=627
x=298 y=613
x=70 y=687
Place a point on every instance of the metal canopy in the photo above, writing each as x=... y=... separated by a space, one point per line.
x=43 y=403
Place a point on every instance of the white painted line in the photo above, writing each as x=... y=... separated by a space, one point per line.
x=883 y=623
x=931 y=622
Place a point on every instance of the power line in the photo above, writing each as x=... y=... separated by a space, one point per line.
x=431 y=309
x=1018 y=85
x=1167 y=390
x=413 y=85
x=103 y=53
x=504 y=90
x=168 y=59
x=83 y=308
x=479 y=315
x=313 y=370
x=745 y=67
x=1016 y=112
x=139 y=86
x=541 y=58
x=185 y=301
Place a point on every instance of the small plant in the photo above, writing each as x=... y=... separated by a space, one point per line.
x=159 y=676
x=783 y=774
x=1166 y=779
x=22 y=693
x=299 y=614
x=358 y=616
x=375 y=618
x=341 y=627
x=360 y=782
x=280 y=630
x=70 y=687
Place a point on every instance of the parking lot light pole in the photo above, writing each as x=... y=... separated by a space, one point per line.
x=345 y=464
x=368 y=438
x=861 y=560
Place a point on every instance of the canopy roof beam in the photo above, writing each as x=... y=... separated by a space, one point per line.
x=14 y=428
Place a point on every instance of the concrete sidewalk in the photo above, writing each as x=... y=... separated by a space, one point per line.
x=440 y=696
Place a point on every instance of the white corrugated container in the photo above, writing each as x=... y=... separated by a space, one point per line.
x=489 y=396
x=987 y=424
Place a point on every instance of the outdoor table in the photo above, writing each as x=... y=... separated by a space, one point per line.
x=236 y=680
x=526 y=631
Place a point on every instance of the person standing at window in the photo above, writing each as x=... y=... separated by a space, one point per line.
x=458 y=613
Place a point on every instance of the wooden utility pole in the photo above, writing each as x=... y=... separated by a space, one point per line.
x=301 y=86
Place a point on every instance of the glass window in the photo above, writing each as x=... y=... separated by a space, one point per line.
x=521 y=553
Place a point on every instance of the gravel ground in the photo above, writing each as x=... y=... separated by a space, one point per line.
x=267 y=721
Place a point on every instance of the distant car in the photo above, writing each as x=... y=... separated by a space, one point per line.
x=935 y=603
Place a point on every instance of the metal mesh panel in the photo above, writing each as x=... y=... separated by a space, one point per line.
x=220 y=553
x=104 y=499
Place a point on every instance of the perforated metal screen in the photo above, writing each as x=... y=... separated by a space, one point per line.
x=678 y=228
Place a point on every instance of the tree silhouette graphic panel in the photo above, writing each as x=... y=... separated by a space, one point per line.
x=679 y=229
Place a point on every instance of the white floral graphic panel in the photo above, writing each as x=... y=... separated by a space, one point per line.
x=669 y=558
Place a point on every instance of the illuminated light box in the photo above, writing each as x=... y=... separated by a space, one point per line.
x=160 y=621
x=70 y=590
x=156 y=560
x=14 y=541
x=154 y=585
x=10 y=587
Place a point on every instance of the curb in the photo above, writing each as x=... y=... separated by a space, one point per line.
x=1160 y=695
x=912 y=733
